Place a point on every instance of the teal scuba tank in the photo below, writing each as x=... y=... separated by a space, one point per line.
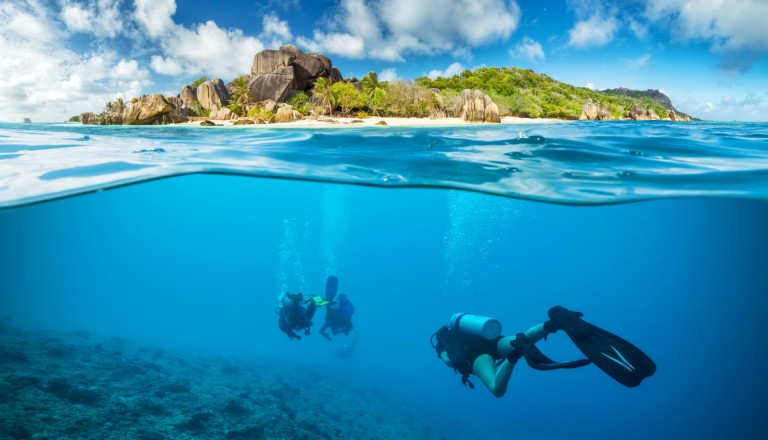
x=482 y=326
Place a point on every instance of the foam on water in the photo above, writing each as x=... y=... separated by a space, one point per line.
x=572 y=163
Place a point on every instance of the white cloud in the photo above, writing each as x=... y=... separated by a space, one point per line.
x=276 y=29
x=453 y=69
x=166 y=65
x=733 y=25
x=343 y=44
x=528 y=48
x=596 y=31
x=155 y=16
x=392 y=29
x=388 y=75
x=129 y=69
x=101 y=18
x=590 y=86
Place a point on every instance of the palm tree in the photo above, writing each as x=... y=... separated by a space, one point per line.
x=239 y=97
x=118 y=106
x=322 y=90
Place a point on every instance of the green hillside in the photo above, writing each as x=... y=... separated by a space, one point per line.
x=525 y=93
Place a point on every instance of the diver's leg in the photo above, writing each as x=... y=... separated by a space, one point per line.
x=495 y=380
x=535 y=334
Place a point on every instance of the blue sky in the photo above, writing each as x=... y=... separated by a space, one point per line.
x=62 y=57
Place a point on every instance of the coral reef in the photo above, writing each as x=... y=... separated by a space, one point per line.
x=73 y=385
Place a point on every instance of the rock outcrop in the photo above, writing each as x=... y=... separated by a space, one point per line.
x=222 y=114
x=213 y=94
x=478 y=107
x=286 y=113
x=637 y=113
x=89 y=118
x=593 y=112
x=153 y=109
x=188 y=96
x=279 y=74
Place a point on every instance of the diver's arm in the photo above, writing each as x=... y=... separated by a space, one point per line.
x=444 y=357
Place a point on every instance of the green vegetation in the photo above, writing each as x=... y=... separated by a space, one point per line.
x=347 y=96
x=197 y=82
x=239 y=97
x=322 y=92
x=525 y=93
x=300 y=103
x=75 y=118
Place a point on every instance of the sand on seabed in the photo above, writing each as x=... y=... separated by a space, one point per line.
x=324 y=122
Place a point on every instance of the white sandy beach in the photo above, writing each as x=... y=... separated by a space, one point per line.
x=344 y=122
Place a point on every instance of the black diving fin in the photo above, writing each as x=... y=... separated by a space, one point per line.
x=523 y=347
x=617 y=357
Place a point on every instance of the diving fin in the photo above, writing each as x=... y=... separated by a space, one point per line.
x=320 y=301
x=523 y=347
x=331 y=286
x=617 y=357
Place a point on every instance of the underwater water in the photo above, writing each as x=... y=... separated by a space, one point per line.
x=193 y=264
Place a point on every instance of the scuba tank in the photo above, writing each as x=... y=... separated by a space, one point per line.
x=482 y=326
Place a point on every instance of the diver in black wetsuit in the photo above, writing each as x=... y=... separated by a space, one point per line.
x=294 y=316
x=473 y=345
x=338 y=317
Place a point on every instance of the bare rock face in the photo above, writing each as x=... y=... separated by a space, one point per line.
x=637 y=113
x=222 y=114
x=279 y=74
x=275 y=85
x=652 y=115
x=111 y=119
x=89 y=118
x=478 y=107
x=491 y=111
x=153 y=109
x=188 y=96
x=286 y=113
x=604 y=115
x=589 y=112
x=213 y=94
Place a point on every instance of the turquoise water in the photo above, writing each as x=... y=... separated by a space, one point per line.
x=195 y=263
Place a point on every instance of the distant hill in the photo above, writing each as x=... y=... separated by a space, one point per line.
x=525 y=93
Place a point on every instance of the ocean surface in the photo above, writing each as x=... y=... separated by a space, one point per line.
x=134 y=241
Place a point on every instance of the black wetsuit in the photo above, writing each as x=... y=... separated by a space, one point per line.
x=296 y=317
x=464 y=349
x=337 y=321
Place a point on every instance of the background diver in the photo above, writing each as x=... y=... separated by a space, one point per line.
x=473 y=345
x=338 y=314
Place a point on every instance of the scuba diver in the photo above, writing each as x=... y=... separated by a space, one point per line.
x=338 y=315
x=293 y=314
x=474 y=345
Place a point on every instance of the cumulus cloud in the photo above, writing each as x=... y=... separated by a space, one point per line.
x=343 y=44
x=165 y=65
x=155 y=16
x=392 y=29
x=731 y=25
x=273 y=27
x=596 y=31
x=44 y=79
x=453 y=69
x=388 y=75
x=529 y=49
x=101 y=17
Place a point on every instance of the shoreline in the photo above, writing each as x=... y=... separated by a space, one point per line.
x=374 y=121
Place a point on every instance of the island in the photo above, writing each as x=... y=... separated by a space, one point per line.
x=288 y=85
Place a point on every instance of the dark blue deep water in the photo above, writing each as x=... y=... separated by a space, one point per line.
x=195 y=263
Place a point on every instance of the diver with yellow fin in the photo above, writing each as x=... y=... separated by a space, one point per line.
x=338 y=315
x=473 y=345
x=293 y=314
